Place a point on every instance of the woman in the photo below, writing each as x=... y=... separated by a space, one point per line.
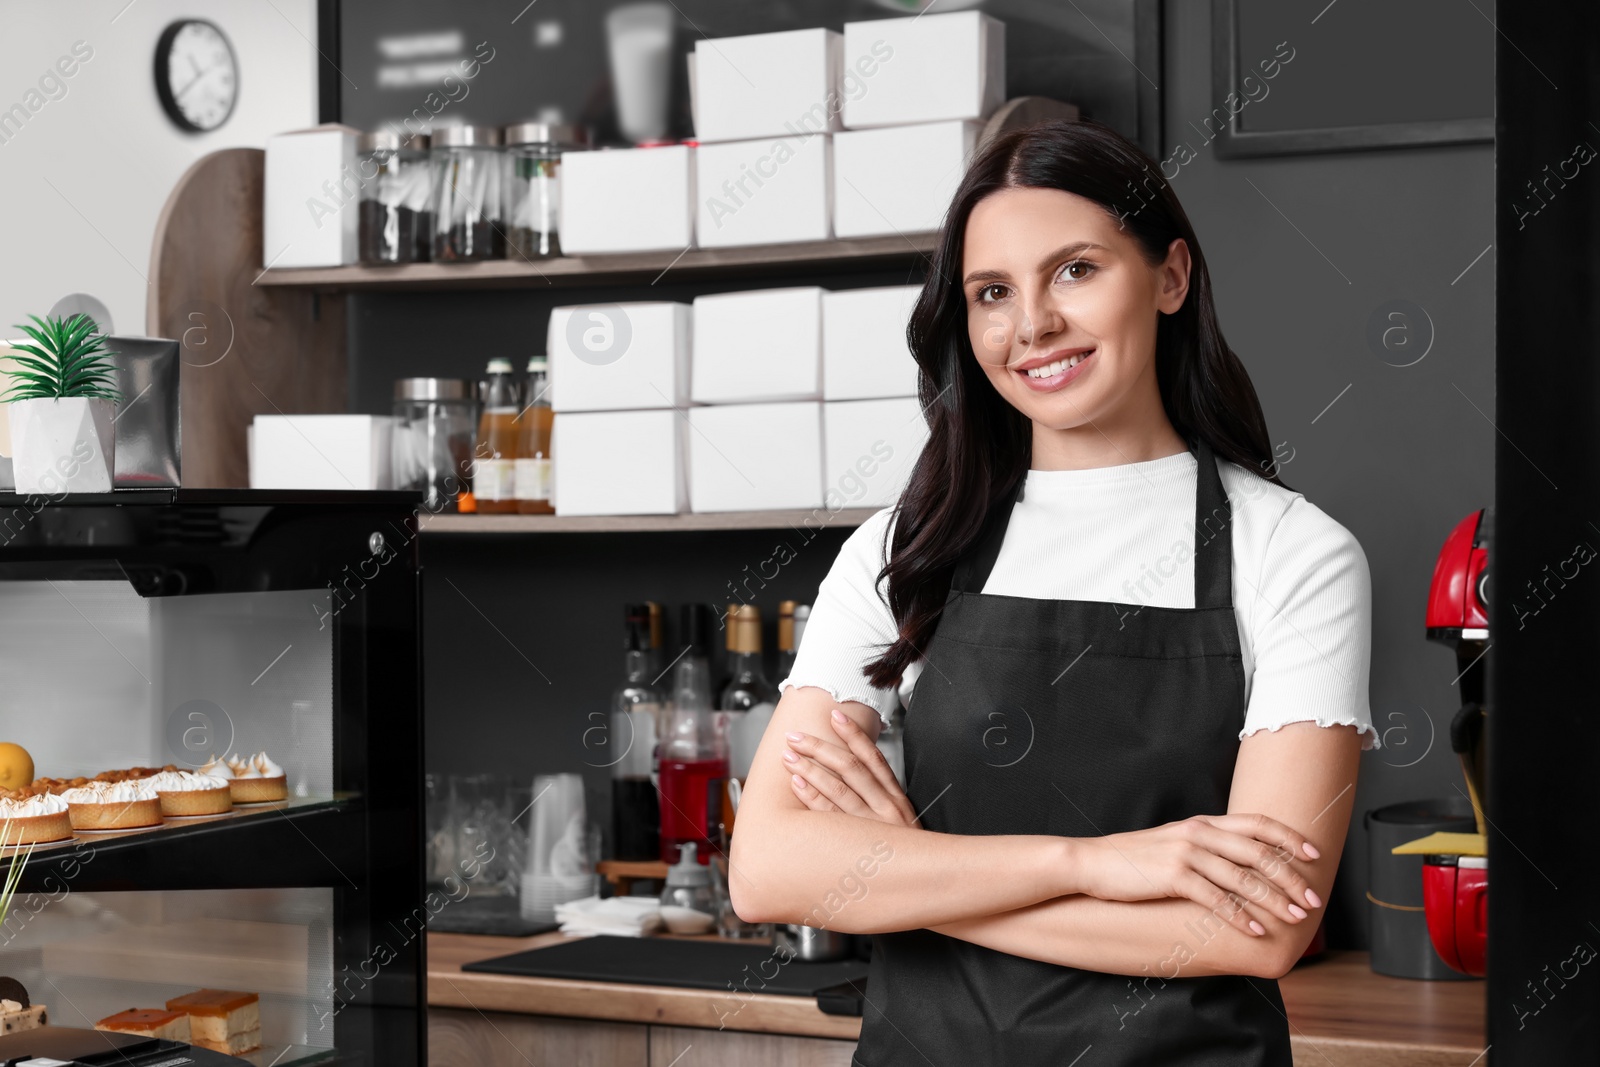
x=1139 y=660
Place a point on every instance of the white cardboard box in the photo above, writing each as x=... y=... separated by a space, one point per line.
x=949 y=66
x=754 y=457
x=769 y=191
x=870 y=447
x=899 y=179
x=610 y=357
x=312 y=188
x=762 y=345
x=627 y=200
x=618 y=462
x=864 y=350
x=766 y=85
x=320 y=452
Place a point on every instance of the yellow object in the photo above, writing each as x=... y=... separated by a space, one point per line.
x=16 y=766
x=1444 y=844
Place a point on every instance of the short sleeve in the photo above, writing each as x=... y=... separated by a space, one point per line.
x=1311 y=627
x=851 y=624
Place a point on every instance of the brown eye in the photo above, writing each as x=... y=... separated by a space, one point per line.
x=1076 y=265
x=991 y=292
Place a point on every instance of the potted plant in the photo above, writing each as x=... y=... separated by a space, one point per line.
x=63 y=408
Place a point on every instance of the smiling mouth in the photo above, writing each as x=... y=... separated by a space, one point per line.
x=1049 y=370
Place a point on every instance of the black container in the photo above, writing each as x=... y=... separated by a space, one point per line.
x=1400 y=944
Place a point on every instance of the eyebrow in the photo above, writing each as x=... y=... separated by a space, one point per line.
x=1061 y=253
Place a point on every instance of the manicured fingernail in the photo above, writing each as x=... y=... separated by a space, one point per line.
x=1311 y=898
x=795 y=736
x=1311 y=850
x=1257 y=927
x=799 y=782
x=839 y=716
x=1297 y=911
x=790 y=757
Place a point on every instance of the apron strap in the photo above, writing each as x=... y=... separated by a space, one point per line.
x=1213 y=538
x=1213 y=535
x=972 y=569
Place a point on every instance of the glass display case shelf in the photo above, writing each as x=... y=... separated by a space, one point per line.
x=285 y=843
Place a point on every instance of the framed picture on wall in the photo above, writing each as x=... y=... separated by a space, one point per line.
x=1298 y=76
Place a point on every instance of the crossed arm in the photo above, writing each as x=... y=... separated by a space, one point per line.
x=799 y=854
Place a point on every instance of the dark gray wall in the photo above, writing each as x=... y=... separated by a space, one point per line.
x=1302 y=250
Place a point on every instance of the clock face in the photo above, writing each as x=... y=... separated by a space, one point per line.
x=197 y=76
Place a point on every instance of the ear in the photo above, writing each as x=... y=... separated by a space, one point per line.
x=1174 y=275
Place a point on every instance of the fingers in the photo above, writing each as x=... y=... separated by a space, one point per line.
x=827 y=785
x=1267 y=830
x=1226 y=906
x=1247 y=884
x=871 y=756
x=809 y=796
x=1259 y=842
x=854 y=773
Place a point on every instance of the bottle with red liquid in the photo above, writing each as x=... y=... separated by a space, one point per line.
x=694 y=761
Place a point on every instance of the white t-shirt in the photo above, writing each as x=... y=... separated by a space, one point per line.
x=1125 y=534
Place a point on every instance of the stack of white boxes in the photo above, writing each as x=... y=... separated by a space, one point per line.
x=618 y=385
x=912 y=124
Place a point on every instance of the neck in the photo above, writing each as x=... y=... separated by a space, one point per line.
x=1103 y=445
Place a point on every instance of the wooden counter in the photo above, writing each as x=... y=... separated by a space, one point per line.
x=1341 y=1014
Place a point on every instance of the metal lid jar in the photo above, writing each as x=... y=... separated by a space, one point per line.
x=435 y=428
x=532 y=204
x=467 y=179
x=396 y=185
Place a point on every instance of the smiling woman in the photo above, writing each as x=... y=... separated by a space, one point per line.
x=1113 y=772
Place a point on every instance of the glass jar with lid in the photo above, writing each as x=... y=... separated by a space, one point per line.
x=467 y=177
x=435 y=427
x=533 y=186
x=397 y=184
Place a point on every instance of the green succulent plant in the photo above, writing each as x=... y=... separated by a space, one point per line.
x=69 y=359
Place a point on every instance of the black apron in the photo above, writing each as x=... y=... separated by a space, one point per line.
x=1078 y=718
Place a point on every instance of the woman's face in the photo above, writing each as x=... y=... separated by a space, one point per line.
x=1062 y=308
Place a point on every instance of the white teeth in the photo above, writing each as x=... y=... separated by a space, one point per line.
x=1057 y=367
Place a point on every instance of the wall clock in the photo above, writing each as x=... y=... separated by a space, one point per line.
x=197 y=75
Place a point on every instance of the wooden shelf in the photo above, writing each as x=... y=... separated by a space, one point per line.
x=646 y=267
x=799 y=518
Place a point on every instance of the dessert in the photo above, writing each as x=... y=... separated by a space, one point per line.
x=221 y=1020
x=33 y=820
x=148 y=1022
x=186 y=793
x=113 y=805
x=17 y=1013
x=132 y=772
x=16 y=766
x=255 y=780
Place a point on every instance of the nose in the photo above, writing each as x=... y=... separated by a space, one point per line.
x=1040 y=317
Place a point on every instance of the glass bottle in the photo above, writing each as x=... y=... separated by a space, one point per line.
x=792 y=619
x=533 y=442
x=635 y=709
x=494 y=470
x=745 y=706
x=694 y=762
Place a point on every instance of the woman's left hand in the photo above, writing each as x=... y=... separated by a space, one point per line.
x=846 y=773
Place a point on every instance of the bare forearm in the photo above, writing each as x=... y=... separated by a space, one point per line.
x=1152 y=939
x=861 y=876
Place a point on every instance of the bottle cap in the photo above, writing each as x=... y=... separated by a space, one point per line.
x=694 y=627
x=636 y=633
x=688 y=871
x=744 y=628
x=537 y=363
x=499 y=366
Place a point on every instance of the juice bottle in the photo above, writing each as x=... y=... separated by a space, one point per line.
x=694 y=766
x=533 y=442
x=494 y=466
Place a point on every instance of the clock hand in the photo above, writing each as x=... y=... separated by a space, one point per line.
x=191 y=82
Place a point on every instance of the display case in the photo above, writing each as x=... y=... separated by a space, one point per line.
x=167 y=627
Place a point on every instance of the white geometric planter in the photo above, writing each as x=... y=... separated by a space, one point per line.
x=65 y=445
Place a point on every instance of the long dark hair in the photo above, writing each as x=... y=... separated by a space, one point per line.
x=979 y=446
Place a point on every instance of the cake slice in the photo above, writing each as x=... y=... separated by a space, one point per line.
x=148 y=1022
x=221 y=1020
x=14 y=1018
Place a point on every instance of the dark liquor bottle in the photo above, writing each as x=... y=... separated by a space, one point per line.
x=635 y=711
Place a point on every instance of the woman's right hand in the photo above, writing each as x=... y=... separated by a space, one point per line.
x=1218 y=861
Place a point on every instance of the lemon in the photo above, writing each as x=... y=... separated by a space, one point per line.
x=16 y=766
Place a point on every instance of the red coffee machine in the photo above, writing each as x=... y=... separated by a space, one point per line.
x=1455 y=867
